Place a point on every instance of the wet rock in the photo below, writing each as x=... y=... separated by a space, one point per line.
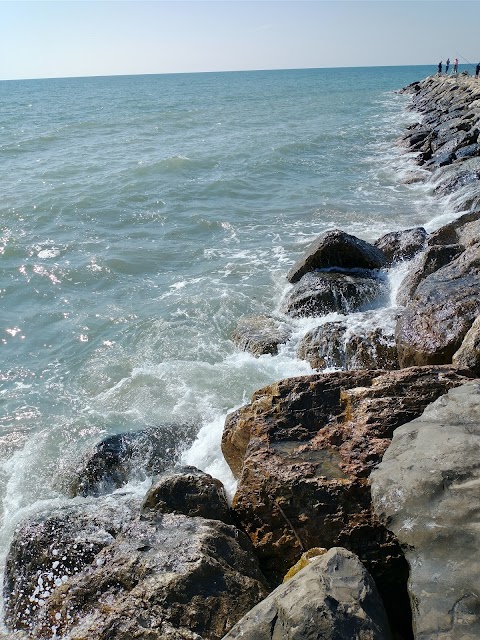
x=470 y=151
x=461 y=175
x=302 y=452
x=429 y=261
x=260 y=335
x=333 y=344
x=333 y=598
x=468 y=356
x=443 y=309
x=464 y=231
x=117 y=459
x=426 y=491
x=97 y=570
x=402 y=245
x=321 y=292
x=188 y=491
x=337 y=249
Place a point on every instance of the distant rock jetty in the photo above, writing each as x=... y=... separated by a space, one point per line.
x=372 y=468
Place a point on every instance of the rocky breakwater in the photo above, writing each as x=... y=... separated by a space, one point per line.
x=304 y=449
x=180 y=564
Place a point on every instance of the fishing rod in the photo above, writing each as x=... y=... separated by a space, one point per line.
x=471 y=63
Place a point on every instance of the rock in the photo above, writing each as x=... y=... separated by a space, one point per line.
x=468 y=356
x=333 y=344
x=470 y=151
x=260 y=335
x=402 y=245
x=119 y=458
x=97 y=570
x=443 y=309
x=429 y=261
x=321 y=292
x=333 y=598
x=426 y=491
x=460 y=175
x=302 y=452
x=464 y=231
x=337 y=249
x=189 y=491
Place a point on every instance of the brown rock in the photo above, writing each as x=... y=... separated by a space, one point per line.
x=260 y=335
x=468 y=356
x=306 y=446
x=402 y=245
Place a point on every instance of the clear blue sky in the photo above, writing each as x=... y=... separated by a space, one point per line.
x=81 y=38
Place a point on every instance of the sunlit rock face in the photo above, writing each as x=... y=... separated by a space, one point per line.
x=426 y=490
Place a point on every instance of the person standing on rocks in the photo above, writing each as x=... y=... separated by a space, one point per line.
x=440 y=68
x=447 y=65
x=455 y=65
x=477 y=71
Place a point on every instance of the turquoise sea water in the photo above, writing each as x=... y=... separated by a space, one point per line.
x=142 y=216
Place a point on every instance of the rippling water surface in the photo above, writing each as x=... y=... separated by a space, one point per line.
x=142 y=216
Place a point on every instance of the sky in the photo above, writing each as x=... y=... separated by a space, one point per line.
x=62 y=38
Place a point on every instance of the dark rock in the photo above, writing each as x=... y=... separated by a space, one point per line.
x=134 y=454
x=190 y=492
x=426 y=491
x=334 y=345
x=332 y=598
x=402 y=245
x=443 y=309
x=429 y=261
x=303 y=450
x=322 y=292
x=337 y=249
x=97 y=570
x=470 y=151
x=260 y=335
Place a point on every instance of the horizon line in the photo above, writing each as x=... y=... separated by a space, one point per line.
x=174 y=73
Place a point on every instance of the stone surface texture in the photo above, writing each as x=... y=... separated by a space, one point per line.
x=332 y=598
x=402 y=245
x=443 y=309
x=99 y=570
x=468 y=356
x=426 y=491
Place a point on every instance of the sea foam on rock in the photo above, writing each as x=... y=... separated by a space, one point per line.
x=104 y=568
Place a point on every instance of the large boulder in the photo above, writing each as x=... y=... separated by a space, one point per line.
x=302 y=452
x=337 y=249
x=114 y=461
x=402 y=245
x=332 y=598
x=334 y=344
x=426 y=491
x=464 y=231
x=468 y=356
x=98 y=570
x=260 y=335
x=443 y=309
x=321 y=292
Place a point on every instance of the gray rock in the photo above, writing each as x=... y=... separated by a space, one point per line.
x=470 y=151
x=98 y=570
x=189 y=491
x=322 y=292
x=260 y=335
x=402 y=245
x=332 y=598
x=334 y=345
x=337 y=249
x=429 y=261
x=443 y=309
x=468 y=356
x=426 y=491
x=111 y=463
x=465 y=231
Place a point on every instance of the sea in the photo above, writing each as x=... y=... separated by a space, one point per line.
x=142 y=216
